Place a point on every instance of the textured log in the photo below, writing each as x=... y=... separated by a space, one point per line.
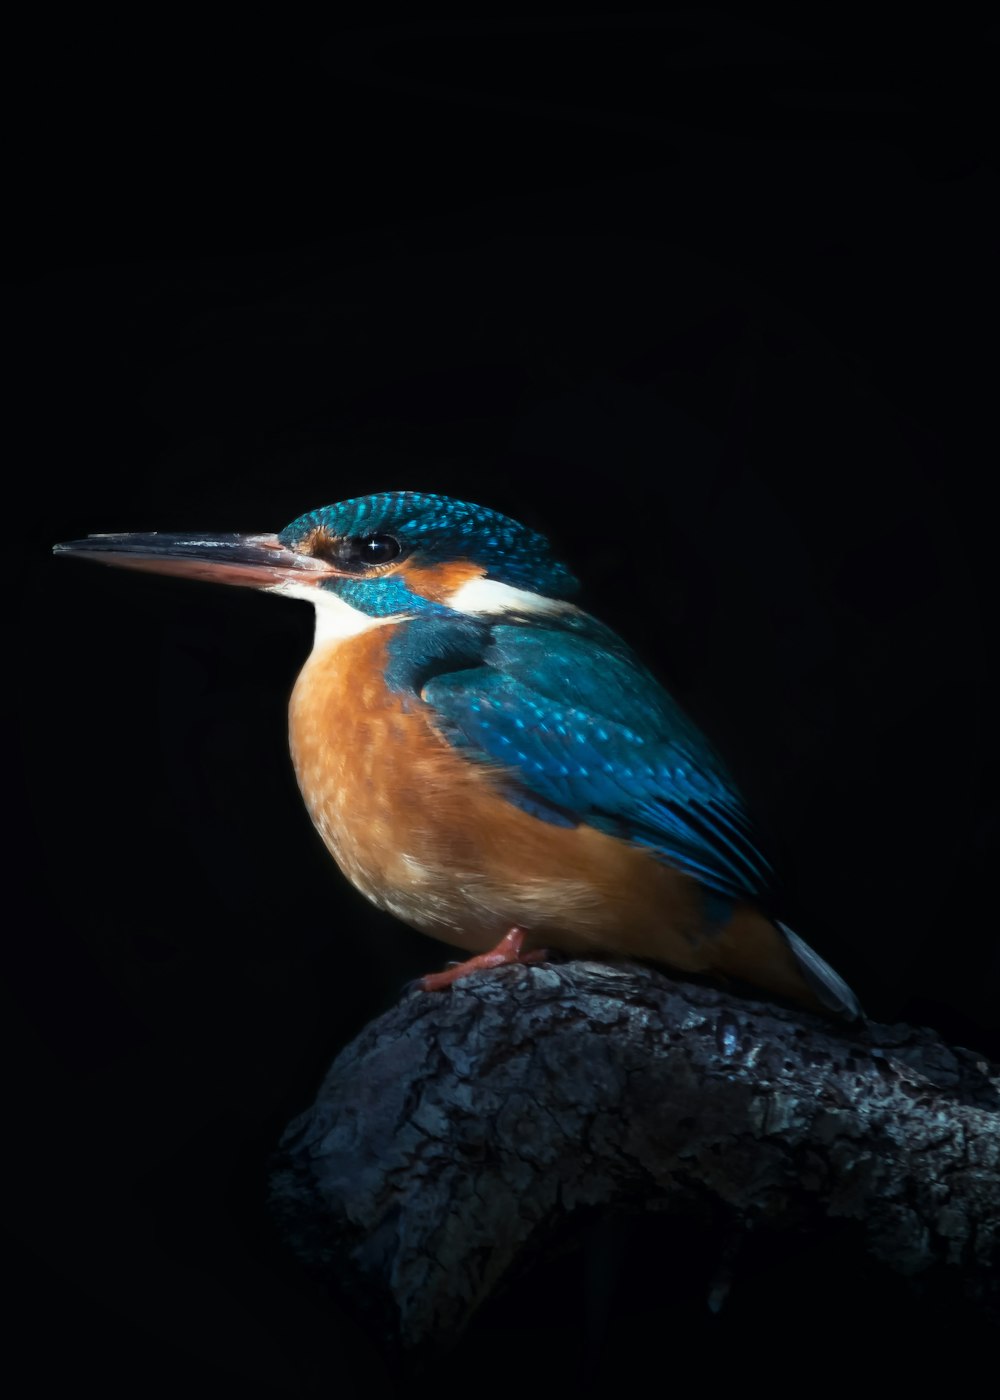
x=462 y=1128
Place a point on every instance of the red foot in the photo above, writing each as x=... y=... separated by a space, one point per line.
x=508 y=950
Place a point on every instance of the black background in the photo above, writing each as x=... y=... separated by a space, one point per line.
x=709 y=299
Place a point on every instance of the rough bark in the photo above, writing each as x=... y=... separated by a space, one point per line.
x=461 y=1129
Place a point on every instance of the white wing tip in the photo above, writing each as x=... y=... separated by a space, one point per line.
x=829 y=986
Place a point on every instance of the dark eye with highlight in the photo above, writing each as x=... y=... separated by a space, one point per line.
x=359 y=553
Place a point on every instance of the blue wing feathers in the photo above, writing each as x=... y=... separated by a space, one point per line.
x=585 y=733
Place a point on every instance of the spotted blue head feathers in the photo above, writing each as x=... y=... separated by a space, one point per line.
x=380 y=532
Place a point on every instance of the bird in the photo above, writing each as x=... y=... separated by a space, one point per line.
x=490 y=763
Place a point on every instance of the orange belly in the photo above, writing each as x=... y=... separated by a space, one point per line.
x=430 y=837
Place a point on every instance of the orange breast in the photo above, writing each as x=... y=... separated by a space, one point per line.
x=429 y=835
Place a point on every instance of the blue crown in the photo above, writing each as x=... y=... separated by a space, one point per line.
x=439 y=528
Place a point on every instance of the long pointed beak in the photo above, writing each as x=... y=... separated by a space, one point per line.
x=250 y=561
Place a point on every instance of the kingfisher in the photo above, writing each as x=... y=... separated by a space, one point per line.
x=491 y=764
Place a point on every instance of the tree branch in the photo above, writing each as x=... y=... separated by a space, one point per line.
x=461 y=1129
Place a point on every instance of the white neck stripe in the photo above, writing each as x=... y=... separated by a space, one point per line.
x=486 y=595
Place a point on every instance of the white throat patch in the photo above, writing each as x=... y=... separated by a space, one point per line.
x=335 y=619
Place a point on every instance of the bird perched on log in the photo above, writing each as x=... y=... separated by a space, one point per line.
x=491 y=764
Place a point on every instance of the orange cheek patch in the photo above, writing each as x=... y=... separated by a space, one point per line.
x=437 y=582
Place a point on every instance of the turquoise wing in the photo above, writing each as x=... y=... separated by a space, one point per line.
x=584 y=733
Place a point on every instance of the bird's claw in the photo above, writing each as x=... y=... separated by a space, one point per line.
x=508 y=950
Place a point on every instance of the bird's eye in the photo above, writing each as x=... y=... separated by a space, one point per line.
x=358 y=553
x=378 y=549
